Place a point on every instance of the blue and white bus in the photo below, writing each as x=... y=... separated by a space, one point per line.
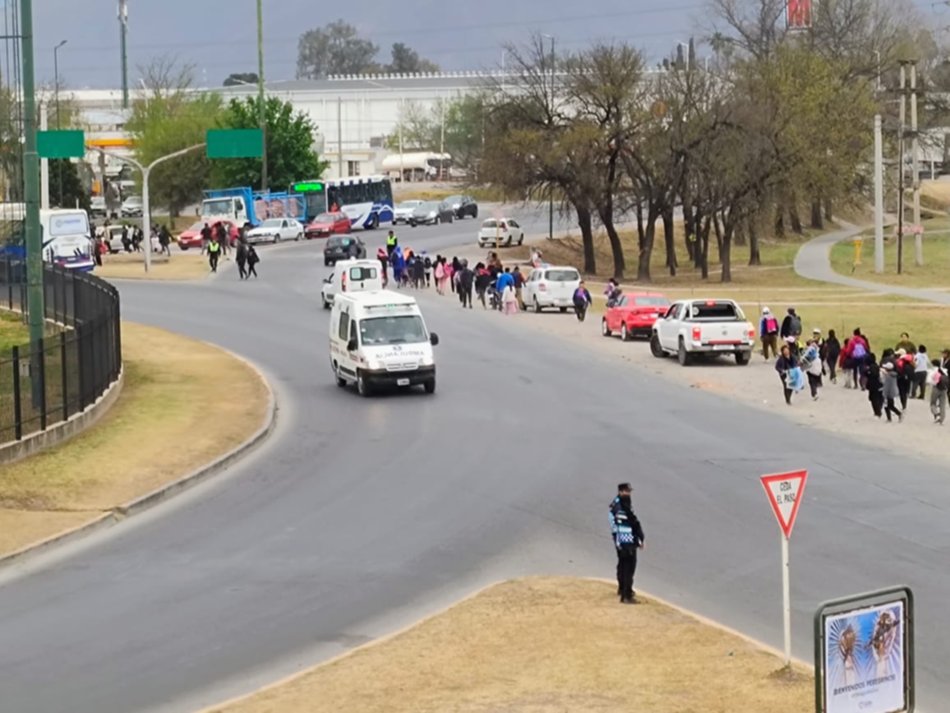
x=366 y=200
x=66 y=234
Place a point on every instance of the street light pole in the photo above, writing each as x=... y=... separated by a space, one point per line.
x=260 y=92
x=551 y=192
x=123 y=32
x=59 y=122
x=146 y=208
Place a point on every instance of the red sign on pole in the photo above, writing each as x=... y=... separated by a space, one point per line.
x=798 y=14
x=784 y=491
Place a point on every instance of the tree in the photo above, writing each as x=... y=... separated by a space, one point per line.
x=406 y=60
x=334 y=49
x=290 y=151
x=239 y=79
x=170 y=118
x=63 y=172
x=465 y=120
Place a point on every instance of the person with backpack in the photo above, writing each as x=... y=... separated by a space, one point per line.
x=812 y=366
x=768 y=333
x=789 y=372
x=582 y=301
x=791 y=325
x=831 y=355
x=938 y=392
x=905 y=366
x=855 y=356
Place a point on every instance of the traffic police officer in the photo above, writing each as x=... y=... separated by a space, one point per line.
x=628 y=537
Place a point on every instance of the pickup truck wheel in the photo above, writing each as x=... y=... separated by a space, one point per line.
x=743 y=358
x=604 y=329
x=655 y=347
x=682 y=354
x=624 y=333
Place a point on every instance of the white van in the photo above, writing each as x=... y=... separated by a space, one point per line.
x=67 y=238
x=351 y=276
x=550 y=286
x=380 y=339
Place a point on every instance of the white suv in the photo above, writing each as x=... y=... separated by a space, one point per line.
x=500 y=231
x=551 y=287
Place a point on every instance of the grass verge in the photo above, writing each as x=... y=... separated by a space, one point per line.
x=12 y=332
x=544 y=645
x=933 y=273
x=174 y=415
x=190 y=265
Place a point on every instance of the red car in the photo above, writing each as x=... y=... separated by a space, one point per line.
x=191 y=238
x=634 y=315
x=327 y=224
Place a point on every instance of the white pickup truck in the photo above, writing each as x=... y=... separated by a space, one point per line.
x=694 y=327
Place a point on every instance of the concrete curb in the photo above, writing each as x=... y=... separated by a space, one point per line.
x=141 y=504
x=218 y=707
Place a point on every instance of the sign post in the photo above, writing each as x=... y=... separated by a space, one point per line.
x=784 y=491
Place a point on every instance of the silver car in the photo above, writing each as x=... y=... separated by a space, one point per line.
x=432 y=213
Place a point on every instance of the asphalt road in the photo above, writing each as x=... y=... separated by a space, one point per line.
x=359 y=515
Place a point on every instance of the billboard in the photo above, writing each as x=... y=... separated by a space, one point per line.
x=798 y=14
x=865 y=656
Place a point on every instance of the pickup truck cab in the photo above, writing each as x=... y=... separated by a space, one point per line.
x=700 y=327
x=379 y=339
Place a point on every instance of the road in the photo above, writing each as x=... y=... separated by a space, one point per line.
x=359 y=516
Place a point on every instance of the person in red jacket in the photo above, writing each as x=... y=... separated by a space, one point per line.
x=853 y=358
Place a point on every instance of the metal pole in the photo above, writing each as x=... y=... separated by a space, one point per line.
x=915 y=151
x=31 y=186
x=59 y=120
x=262 y=115
x=339 y=136
x=551 y=194
x=123 y=31
x=878 y=196
x=402 y=161
x=442 y=140
x=44 y=162
x=786 y=603
x=900 y=175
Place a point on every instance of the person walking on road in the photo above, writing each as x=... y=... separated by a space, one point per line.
x=252 y=259
x=582 y=301
x=921 y=370
x=482 y=282
x=164 y=241
x=788 y=371
x=241 y=259
x=214 y=252
x=466 y=285
x=628 y=538
x=874 y=385
x=519 y=285
x=205 y=238
x=768 y=333
x=831 y=355
x=811 y=363
x=391 y=242
x=891 y=391
x=938 y=392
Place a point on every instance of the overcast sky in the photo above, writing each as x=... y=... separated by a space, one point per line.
x=218 y=36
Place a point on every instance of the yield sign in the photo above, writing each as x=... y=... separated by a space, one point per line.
x=784 y=491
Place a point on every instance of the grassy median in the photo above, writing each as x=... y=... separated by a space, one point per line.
x=182 y=265
x=932 y=274
x=184 y=404
x=542 y=645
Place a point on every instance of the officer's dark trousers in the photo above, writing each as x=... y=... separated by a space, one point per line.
x=626 y=568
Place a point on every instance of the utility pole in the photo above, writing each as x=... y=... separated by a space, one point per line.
x=339 y=135
x=31 y=196
x=878 y=196
x=262 y=115
x=402 y=160
x=553 y=89
x=59 y=120
x=442 y=140
x=900 y=173
x=123 y=32
x=915 y=151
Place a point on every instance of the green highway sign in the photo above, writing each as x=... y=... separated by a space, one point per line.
x=235 y=143
x=61 y=144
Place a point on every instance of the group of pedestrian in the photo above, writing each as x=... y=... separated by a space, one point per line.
x=902 y=373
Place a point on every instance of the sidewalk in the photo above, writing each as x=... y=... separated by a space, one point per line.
x=814 y=262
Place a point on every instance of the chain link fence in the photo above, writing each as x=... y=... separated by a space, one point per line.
x=46 y=382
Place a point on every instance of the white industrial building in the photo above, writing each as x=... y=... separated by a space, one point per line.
x=353 y=115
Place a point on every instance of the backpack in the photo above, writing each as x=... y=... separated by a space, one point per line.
x=859 y=352
x=940 y=381
x=795 y=326
x=771 y=325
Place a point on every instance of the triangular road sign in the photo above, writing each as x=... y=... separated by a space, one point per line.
x=784 y=491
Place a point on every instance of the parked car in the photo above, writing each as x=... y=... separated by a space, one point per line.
x=191 y=238
x=97 y=206
x=551 y=287
x=634 y=315
x=403 y=212
x=132 y=207
x=112 y=235
x=701 y=327
x=340 y=247
x=463 y=206
x=432 y=213
x=327 y=224
x=273 y=230
x=500 y=231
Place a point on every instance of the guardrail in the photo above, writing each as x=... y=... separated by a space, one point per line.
x=46 y=382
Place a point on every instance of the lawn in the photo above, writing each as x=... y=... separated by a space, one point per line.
x=934 y=273
x=547 y=645
x=12 y=332
x=156 y=433
x=190 y=265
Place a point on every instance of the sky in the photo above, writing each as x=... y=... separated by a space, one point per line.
x=218 y=37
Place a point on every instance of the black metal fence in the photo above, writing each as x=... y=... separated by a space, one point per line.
x=43 y=383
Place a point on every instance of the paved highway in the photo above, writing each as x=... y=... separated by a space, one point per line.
x=359 y=515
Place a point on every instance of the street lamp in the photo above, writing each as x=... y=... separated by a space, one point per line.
x=59 y=170
x=551 y=192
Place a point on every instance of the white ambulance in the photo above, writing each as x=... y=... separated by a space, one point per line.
x=379 y=339
x=351 y=276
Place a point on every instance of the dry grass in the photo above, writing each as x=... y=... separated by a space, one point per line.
x=190 y=265
x=545 y=645
x=935 y=272
x=169 y=420
x=938 y=191
x=12 y=331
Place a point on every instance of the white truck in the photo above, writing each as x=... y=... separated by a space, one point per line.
x=703 y=327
